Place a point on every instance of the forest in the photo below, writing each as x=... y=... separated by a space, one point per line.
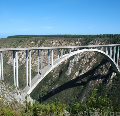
x=69 y=36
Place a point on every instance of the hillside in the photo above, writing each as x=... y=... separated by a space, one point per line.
x=76 y=78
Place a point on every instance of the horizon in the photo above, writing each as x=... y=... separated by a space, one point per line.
x=59 y=35
x=64 y=17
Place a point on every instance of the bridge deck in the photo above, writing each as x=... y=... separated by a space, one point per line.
x=57 y=47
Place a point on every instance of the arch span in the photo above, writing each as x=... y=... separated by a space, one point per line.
x=36 y=80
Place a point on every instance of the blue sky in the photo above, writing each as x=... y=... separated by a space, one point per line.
x=21 y=17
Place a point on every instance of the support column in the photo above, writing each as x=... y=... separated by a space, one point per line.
x=52 y=57
x=14 y=72
x=48 y=57
x=114 y=53
x=38 y=62
x=41 y=58
x=1 y=66
x=27 y=84
x=17 y=83
x=118 y=56
x=66 y=51
x=111 y=52
x=58 y=53
x=69 y=51
x=61 y=53
x=106 y=51
x=102 y=49
x=29 y=68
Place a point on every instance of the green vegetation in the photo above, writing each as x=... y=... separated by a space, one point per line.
x=69 y=36
x=94 y=104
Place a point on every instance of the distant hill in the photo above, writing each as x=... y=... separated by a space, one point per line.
x=69 y=36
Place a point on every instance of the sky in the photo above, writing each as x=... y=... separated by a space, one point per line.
x=45 y=17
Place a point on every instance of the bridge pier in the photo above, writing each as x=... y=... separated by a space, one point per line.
x=66 y=51
x=111 y=52
x=27 y=83
x=58 y=54
x=102 y=49
x=1 y=66
x=48 y=57
x=114 y=58
x=38 y=62
x=106 y=50
x=41 y=61
x=61 y=53
x=29 y=68
x=52 y=57
x=15 y=68
x=69 y=51
x=17 y=83
x=118 y=56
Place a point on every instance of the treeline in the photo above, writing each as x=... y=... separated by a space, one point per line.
x=69 y=36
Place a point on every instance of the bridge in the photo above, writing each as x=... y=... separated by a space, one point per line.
x=111 y=52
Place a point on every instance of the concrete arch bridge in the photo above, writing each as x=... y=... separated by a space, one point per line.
x=111 y=52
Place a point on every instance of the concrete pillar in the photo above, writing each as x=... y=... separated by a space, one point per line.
x=48 y=57
x=118 y=56
x=29 y=68
x=106 y=50
x=114 y=58
x=38 y=62
x=41 y=60
x=61 y=53
x=2 y=65
x=102 y=49
x=17 y=83
x=27 y=83
x=58 y=54
x=52 y=57
x=14 y=66
x=111 y=52
x=66 y=51
x=0 y=68
x=69 y=51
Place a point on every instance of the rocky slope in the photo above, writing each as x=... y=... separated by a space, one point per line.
x=11 y=95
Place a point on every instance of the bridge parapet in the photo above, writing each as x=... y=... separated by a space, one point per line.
x=63 y=52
